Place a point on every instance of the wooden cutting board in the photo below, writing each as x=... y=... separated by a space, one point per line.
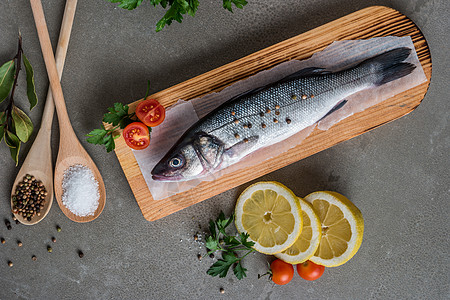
x=375 y=21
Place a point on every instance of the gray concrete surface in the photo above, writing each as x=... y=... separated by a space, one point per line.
x=397 y=174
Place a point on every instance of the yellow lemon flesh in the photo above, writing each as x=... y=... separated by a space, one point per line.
x=270 y=213
x=342 y=228
x=308 y=241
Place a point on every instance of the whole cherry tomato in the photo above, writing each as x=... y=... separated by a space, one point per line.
x=282 y=272
x=136 y=136
x=309 y=270
x=150 y=112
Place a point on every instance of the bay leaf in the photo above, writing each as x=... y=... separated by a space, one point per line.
x=11 y=139
x=7 y=72
x=15 y=153
x=2 y=132
x=22 y=124
x=31 y=89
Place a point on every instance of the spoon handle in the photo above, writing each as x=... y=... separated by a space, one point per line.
x=50 y=64
x=60 y=57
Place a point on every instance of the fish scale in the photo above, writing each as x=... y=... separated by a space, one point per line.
x=272 y=113
x=288 y=96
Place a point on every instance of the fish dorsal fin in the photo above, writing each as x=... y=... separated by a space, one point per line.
x=306 y=72
x=241 y=148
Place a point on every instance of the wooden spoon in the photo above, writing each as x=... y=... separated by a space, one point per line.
x=39 y=159
x=71 y=152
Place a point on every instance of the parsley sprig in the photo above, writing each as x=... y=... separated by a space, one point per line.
x=229 y=245
x=175 y=8
x=119 y=117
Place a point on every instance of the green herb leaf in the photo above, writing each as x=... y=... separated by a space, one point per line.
x=176 y=11
x=117 y=115
x=127 y=4
x=231 y=241
x=223 y=222
x=238 y=3
x=96 y=136
x=2 y=118
x=102 y=137
x=108 y=140
x=2 y=132
x=244 y=240
x=222 y=266
x=11 y=139
x=229 y=247
x=212 y=229
x=7 y=73
x=22 y=123
x=211 y=244
x=15 y=153
x=240 y=271
x=148 y=89
x=31 y=89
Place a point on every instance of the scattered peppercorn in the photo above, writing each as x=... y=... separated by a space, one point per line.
x=2 y=240
x=53 y=239
x=80 y=254
x=199 y=256
x=10 y=264
x=19 y=243
x=49 y=249
x=195 y=237
x=222 y=291
x=58 y=228
x=211 y=255
x=8 y=224
x=34 y=257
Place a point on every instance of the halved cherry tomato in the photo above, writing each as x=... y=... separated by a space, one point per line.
x=309 y=270
x=136 y=136
x=150 y=112
x=282 y=272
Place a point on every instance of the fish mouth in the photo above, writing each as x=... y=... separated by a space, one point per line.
x=157 y=177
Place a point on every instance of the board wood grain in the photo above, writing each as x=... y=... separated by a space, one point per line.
x=375 y=21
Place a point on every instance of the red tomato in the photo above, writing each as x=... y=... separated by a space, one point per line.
x=282 y=272
x=136 y=136
x=150 y=112
x=309 y=270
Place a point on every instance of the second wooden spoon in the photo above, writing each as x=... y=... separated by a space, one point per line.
x=71 y=152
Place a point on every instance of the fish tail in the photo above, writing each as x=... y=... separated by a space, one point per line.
x=389 y=65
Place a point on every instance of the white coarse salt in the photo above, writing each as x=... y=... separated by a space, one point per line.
x=80 y=191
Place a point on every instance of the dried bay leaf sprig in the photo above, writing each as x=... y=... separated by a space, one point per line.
x=15 y=126
x=229 y=245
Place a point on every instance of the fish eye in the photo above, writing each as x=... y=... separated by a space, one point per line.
x=176 y=162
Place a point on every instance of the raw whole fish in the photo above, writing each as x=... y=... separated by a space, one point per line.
x=261 y=117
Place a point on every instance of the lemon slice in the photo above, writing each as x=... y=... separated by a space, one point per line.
x=342 y=228
x=309 y=239
x=270 y=213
